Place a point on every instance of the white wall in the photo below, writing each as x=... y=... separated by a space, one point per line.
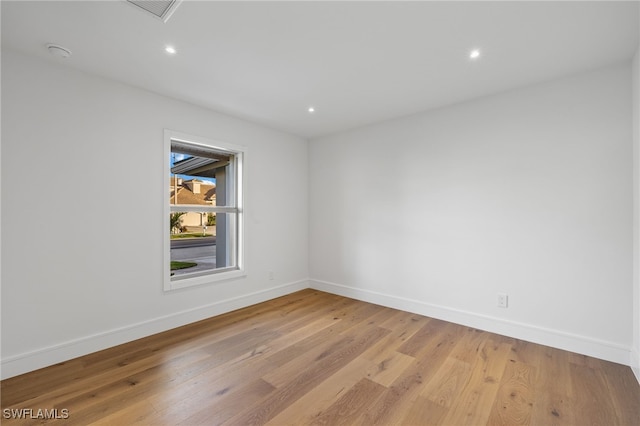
x=75 y=283
x=525 y=192
x=635 y=360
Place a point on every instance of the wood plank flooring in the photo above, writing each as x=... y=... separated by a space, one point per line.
x=320 y=359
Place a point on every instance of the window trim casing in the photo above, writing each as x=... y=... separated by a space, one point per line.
x=226 y=273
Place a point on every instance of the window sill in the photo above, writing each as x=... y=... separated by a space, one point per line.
x=177 y=284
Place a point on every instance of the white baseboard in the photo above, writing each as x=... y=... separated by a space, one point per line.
x=43 y=357
x=585 y=345
x=46 y=356
x=635 y=363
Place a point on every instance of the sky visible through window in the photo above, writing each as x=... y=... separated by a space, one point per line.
x=174 y=157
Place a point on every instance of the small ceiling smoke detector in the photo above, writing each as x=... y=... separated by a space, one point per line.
x=58 y=51
x=311 y=110
x=161 y=9
x=170 y=50
x=475 y=54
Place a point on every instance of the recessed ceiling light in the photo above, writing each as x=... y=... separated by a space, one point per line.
x=475 y=54
x=170 y=50
x=311 y=109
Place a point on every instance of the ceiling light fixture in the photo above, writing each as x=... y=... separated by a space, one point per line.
x=170 y=50
x=311 y=110
x=58 y=51
x=475 y=54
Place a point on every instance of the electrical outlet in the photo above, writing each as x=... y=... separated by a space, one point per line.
x=272 y=275
x=503 y=300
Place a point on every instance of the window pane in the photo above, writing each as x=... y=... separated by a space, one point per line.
x=202 y=243
x=195 y=174
x=192 y=190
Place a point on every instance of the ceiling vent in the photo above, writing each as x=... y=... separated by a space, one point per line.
x=161 y=9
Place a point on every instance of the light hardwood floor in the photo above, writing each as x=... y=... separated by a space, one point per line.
x=316 y=358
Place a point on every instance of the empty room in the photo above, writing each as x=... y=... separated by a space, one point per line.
x=291 y=213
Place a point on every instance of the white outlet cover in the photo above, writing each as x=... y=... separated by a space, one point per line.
x=503 y=300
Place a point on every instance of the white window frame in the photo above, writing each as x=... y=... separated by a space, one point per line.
x=219 y=274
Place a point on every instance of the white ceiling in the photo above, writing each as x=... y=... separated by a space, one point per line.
x=356 y=62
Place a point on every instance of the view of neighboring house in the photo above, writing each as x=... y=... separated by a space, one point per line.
x=192 y=192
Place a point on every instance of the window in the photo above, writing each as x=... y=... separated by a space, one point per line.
x=203 y=211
